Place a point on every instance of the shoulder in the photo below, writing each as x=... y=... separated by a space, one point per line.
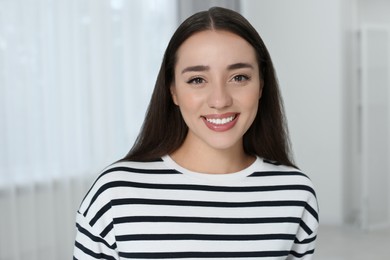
x=286 y=177
x=121 y=175
x=126 y=170
x=293 y=183
x=267 y=167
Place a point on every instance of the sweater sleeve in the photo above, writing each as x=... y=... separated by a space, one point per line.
x=305 y=240
x=91 y=245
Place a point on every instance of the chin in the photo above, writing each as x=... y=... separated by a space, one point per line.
x=223 y=146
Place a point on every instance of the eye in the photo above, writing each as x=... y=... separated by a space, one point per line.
x=196 y=81
x=240 y=78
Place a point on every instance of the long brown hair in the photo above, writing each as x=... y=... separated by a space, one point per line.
x=164 y=129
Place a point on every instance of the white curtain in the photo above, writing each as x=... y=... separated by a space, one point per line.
x=75 y=80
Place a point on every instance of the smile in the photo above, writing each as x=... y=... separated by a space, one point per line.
x=221 y=121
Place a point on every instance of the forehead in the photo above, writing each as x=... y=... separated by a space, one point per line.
x=215 y=47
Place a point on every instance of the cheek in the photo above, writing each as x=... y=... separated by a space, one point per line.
x=254 y=105
x=188 y=99
x=251 y=107
x=251 y=99
x=190 y=105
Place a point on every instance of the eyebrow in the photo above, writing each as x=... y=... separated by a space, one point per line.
x=240 y=65
x=200 y=68
x=196 y=68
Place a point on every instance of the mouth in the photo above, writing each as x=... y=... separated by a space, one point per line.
x=220 y=123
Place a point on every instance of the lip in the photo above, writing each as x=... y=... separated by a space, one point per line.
x=220 y=127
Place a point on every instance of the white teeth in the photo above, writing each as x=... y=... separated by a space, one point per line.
x=219 y=121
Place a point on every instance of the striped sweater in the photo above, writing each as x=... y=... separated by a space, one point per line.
x=159 y=210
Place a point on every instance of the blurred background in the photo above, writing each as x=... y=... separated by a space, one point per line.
x=76 y=77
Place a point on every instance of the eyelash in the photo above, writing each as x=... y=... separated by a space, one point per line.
x=242 y=78
x=199 y=80
x=196 y=80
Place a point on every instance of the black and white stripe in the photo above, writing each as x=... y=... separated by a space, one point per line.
x=158 y=210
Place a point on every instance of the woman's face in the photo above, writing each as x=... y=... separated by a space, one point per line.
x=217 y=88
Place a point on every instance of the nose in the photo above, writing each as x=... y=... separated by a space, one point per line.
x=219 y=96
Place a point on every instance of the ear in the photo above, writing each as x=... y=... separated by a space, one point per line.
x=261 y=88
x=174 y=95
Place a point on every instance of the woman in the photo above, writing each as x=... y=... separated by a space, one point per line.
x=210 y=175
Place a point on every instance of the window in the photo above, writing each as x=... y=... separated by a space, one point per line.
x=75 y=80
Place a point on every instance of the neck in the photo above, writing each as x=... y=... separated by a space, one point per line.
x=214 y=161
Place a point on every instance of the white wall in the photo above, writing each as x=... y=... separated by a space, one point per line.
x=305 y=40
x=373 y=21
x=374 y=11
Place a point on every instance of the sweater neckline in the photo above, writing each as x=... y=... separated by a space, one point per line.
x=255 y=166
